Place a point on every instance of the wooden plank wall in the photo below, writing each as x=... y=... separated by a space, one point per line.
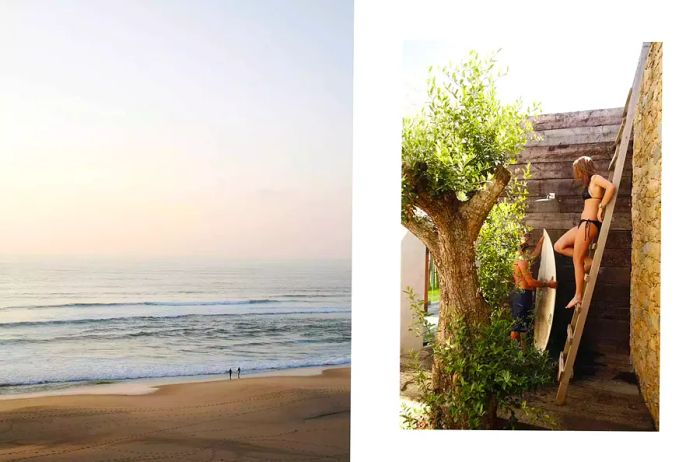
x=565 y=137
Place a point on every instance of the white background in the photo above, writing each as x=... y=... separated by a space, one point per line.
x=380 y=29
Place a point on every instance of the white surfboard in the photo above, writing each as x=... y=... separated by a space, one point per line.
x=544 y=301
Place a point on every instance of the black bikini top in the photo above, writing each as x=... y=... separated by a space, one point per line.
x=586 y=195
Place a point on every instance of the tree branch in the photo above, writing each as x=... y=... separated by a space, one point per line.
x=433 y=205
x=478 y=207
x=424 y=230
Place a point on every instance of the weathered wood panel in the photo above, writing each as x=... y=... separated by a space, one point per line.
x=567 y=220
x=566 y=204
x=576 y=135
x=567 y=152
x=615 y=275
x=611 y=295
x=616 y=257
x=535 y=204
x=601 y=334
x=559 y=170
x=617 y=239
x=570 y=152
x=610 y=312
x=568 y=187
x=578 y=119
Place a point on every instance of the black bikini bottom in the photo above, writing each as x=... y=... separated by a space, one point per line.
x=597 y=224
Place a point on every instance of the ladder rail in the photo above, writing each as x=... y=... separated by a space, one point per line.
x=620 y=154
x=618 y=138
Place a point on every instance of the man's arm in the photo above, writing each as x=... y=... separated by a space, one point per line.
x=531 y=282
x=537 y=250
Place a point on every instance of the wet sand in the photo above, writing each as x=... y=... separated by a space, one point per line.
x=273 y=418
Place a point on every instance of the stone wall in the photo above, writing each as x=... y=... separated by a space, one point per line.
x=646 y=234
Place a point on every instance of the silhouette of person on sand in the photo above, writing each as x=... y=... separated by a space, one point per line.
x=230 y=373
x=239 y=372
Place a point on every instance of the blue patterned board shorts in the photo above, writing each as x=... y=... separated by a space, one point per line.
x=521 y=308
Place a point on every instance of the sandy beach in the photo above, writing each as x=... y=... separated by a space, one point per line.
x=270 y=418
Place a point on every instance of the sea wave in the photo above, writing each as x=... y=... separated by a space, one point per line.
x=183 y=372
x=166 y=317
x=256 y=301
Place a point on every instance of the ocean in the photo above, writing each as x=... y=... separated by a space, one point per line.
x=70 y=321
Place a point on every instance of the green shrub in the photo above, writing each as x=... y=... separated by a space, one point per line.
x=488 y=371
x=499 y=239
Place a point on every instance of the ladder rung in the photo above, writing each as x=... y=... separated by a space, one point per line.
x=574 y=318
x=613 y=161
x=618 y=138
x=627 y=103
x=561 y=366
x=569 y=338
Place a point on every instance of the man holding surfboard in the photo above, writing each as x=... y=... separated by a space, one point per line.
x=523 y=297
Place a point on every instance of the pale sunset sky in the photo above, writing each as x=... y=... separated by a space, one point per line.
x=176 y=128
x=563 y=76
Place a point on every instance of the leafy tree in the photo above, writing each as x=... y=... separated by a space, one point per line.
x=454 y=157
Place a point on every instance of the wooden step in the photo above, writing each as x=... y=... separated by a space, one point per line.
x=561 y=366
x=618 y=138
x=627 y=105
x=574 y=318
x=569 y=339
x=619 y=133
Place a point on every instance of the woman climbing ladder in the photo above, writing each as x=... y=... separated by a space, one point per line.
x=597 y=193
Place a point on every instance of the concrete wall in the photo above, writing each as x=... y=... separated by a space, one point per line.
x=413 y=276
x=565 y=137
x=646 y=234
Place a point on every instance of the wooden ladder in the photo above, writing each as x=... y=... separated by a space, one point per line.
x=574 y=330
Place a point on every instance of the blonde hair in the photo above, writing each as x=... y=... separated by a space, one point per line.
x=584 y=169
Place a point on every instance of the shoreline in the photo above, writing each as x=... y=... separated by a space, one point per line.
x=149 y=385
x=290 y=417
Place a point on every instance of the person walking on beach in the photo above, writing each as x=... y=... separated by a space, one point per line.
x=239 y=372
x=230 y=373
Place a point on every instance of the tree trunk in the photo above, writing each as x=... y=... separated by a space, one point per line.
x=492 y=414
x=460 y=297
x=450 y=233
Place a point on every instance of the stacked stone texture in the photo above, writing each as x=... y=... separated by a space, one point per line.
x=646 y=234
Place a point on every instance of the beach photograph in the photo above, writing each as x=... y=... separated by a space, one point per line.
x=175 y=265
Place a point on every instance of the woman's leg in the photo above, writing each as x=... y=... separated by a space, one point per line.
x=565 y=244
x=584 y=236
